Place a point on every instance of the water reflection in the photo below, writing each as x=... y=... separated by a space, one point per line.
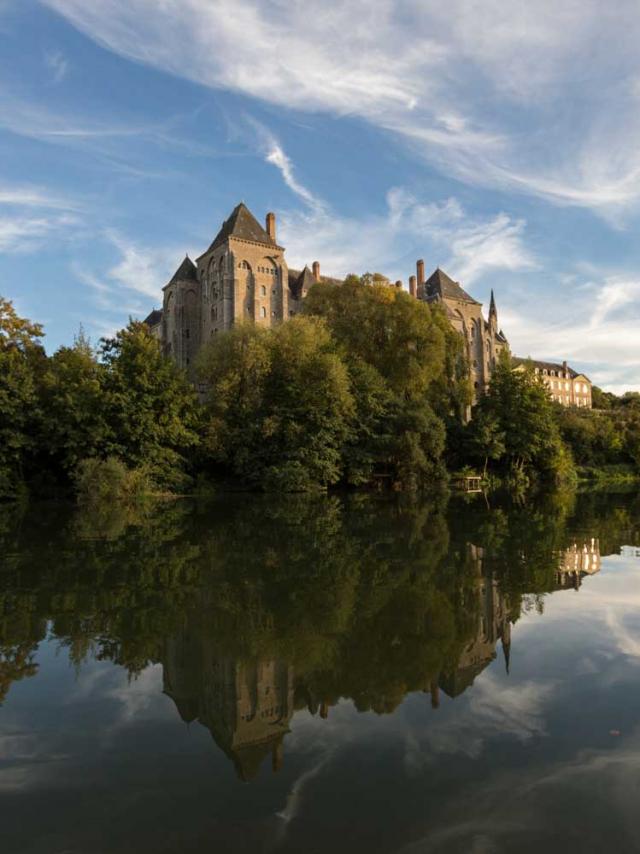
x=258 y=608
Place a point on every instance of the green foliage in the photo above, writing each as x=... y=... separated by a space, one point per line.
x=102 y=482
x=514 y=427
x=72 y=419
x=278 y=405
x=400 y=358
x=149 y=406
x=21 y=359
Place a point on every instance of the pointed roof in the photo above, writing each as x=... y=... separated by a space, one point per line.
x=301 y=280
x=242 y=225
x=154 y=318
x=492 y=307
x=440 y=285
x=185 y=272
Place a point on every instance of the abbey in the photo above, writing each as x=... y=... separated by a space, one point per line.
x=243 y=275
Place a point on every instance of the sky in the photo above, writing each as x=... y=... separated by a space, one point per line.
x=499 y=140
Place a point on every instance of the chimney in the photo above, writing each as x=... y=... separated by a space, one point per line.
x=564 y=370
x=412 y=286
x=316 y=270
x=420 y=276
x=271 y=226
x=399 y=284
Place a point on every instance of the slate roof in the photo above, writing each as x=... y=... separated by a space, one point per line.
x=242 y=225
x=186 y=271
x=300 y=280
x=154 y=318
x=549 y=366
x=440 y=285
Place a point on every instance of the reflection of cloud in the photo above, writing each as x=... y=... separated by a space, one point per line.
x=294 y=797
x=512 y=805
x=491 y=709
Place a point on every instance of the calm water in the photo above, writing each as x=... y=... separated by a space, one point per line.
x=321 y=676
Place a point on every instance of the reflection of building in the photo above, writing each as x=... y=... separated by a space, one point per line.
x=246 y=705
x=493 y=624
x=580 y=559
x=630 y=551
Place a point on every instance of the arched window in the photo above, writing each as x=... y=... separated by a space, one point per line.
x=263 y=312
x=263 y=291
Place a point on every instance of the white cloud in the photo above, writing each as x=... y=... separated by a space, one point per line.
x=541 y=105
x=596 y=331
x=37 y=197
x=57 y=64
x=391 y=242
x=26 y=234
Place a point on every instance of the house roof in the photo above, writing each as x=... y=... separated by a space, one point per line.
x=549 y=366
x=242 y=225
x=440 y=285
x=300 y=280
x=185 y=272
x=154 y=318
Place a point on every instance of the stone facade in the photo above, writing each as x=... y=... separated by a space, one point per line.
x=243 y=275
x=483 y=339
x=565 y=385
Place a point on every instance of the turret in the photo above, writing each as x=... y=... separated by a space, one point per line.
x=412 y=286
x=316 y=270
x=493 y=312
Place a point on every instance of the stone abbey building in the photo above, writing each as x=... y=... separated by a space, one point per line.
x=244 y=275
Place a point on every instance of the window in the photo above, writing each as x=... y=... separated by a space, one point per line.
x=186 y=333
x=263 y=291
x=263 y=312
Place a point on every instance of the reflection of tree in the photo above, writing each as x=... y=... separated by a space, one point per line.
x=257 y=606
x=16 y=662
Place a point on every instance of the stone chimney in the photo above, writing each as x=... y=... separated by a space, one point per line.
x=399 y=283
x=412 y=286
x=316 y=270
x=565 y=370
x=420 y=277
x=271 y=226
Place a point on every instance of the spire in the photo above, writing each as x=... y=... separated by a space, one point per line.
x=493 y=311
x=506 y=649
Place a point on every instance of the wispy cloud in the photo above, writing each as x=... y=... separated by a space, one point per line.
x=57 y=64
x=467 y=246
x=539 y=105
x=597 y=329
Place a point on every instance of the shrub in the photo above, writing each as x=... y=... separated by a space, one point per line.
x=110 y=480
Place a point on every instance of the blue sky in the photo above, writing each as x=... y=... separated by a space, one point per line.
x=499 y=140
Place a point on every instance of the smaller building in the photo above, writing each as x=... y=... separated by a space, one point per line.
x=154 y=322
x=565 y=385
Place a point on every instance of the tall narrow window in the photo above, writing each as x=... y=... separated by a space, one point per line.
x=263 y=291
x=263 y=312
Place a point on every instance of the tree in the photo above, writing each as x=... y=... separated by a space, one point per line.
x=72 y=423
x=21 y=359
x=396 y=351
x=516 y=417
x=151 y=409
x=279 y=405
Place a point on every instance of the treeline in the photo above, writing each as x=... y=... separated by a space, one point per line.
x=367 y=387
